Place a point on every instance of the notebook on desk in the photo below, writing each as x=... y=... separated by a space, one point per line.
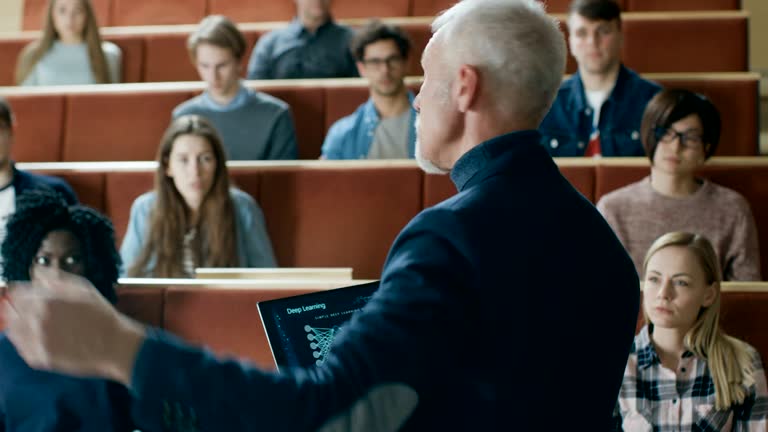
x=300 y=329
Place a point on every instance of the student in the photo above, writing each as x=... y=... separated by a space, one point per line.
x=598 y=110
x=684 y=372
x=13 y=182
x=253 y=125
x=680 y=131
x=193 y=218
x=384 y=126
x=468 y=330
x=313 y=45
x=70 y=49
x=47 y=236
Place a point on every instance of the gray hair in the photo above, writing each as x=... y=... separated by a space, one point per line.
x=518 y=48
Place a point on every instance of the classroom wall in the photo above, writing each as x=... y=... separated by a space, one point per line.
x=10 y=15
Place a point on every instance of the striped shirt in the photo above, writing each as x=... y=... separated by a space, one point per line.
x=655 y=398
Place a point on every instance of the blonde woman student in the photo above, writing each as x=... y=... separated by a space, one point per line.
x=69 y=50
x=193 y=218
x=684 y=373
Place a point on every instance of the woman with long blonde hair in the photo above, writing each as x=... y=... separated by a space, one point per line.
x=193 y=218
x=684 y=372
x=70 y=49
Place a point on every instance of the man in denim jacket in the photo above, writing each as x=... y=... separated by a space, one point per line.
x=598 y=110
x=382 y=127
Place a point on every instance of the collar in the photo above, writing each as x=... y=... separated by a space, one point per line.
x=371 y=114
x=646 y=353
x=296 y=28
x=514 y=144
x=239 y=100
x=578 y=98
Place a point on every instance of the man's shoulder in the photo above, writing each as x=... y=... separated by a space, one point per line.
x=266 y=101
x=38 y=179
x=272 y=36
x=564 y=94
x=342 y=28
x=567 y=87
x=190 y=106
x=348 y=123
x=30 y=180
x=640 y=85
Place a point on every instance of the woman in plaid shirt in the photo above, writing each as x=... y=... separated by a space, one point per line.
x=684 y=373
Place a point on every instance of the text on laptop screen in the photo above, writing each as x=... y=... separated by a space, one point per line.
x=300 y=329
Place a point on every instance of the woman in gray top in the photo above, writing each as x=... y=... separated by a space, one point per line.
x=70 y=49
x=193 y=218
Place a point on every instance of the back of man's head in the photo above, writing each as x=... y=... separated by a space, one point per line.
x=597 y=10
x=6 y=114
x=220 y=31
x=376 y=31
x=518 y=49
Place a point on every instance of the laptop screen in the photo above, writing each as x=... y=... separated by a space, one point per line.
x=300 y=329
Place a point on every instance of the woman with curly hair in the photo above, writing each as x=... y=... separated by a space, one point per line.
x=46 y=236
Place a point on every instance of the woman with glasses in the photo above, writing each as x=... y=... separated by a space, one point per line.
x=680 y=131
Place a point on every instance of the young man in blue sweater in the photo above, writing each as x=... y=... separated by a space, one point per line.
x=252 y=124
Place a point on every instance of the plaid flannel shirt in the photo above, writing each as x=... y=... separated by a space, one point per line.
x=654 y=398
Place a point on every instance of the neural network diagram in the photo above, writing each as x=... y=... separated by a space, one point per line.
x=320 y=340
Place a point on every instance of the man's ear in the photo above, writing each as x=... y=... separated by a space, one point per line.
x=360 y=68
x=467 y=87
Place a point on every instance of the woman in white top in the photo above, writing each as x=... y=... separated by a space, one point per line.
x=70 y=49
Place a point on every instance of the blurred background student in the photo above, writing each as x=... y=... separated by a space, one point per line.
x=70 y=49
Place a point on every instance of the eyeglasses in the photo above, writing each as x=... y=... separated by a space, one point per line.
x=391 y=61
x=688 y=140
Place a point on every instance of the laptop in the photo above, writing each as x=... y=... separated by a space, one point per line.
x=300 y=329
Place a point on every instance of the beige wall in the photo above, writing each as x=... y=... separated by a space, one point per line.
x=758 y=34
x=10 y=15
x=758 y=56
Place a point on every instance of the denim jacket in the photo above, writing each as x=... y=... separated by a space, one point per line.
x=351 y=137
x=566 y=128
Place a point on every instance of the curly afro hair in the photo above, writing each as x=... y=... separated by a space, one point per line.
x=38 y=212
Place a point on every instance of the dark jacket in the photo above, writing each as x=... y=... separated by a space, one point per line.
x=510 y=306
x=23 y=180
x=566 y=128
x=36 y=401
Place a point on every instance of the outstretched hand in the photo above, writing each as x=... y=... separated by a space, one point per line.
x=63 y=324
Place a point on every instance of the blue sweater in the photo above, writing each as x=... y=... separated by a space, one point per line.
x=253 y=246
x=510 y=306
